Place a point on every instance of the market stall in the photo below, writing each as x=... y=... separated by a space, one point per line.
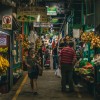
x=4 y=62
x=88 y=68
x=17 y=57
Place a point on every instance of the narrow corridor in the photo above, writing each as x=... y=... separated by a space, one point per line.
x=50 y=89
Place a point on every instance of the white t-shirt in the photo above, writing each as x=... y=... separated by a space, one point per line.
x=32 y=37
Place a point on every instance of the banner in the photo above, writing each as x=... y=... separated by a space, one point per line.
x=30 y=14
x=52 y=10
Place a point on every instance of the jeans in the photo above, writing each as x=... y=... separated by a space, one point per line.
x=55 y=61
x=76 y=78
x=67 y=76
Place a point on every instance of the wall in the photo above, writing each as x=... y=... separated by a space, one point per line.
x=97 y=17
x=4 y=10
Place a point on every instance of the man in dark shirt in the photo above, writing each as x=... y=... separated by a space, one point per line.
x=40 y=53
x=55 y=58
x=67 y=59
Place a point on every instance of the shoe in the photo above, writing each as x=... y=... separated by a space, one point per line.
x=35 y=93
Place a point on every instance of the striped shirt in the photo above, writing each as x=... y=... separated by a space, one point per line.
x=67 y=55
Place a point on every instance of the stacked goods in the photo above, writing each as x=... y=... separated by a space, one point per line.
x=87 y=37
x=95 y=41
x=25 y=43
x=4 y=64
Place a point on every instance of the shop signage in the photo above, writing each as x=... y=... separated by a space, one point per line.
x=7 y=22
x=54 y=20
x=60 y=8
x=32 y=18
x=32 y=10
x=42 y=24
x=76 y=33
x=26 y=18
x=52 y=10
x=3 y=40
x=44 y=18
x=29 y=14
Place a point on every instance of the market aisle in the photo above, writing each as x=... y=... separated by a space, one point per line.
x=49 y=89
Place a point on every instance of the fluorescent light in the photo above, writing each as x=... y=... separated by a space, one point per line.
x=38 y=18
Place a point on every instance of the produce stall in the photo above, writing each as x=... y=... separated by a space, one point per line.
x=17 y=57
x=88 y=68
x=4 y=63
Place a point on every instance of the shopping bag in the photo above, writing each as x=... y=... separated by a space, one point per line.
x=58 y=72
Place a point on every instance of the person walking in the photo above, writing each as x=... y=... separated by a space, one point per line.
x=55 y=57
x=67 y=60
x=32 y=70
x=40 y=53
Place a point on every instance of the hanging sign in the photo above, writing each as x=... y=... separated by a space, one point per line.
x=3 y=40
x=76 y=33
x=7 y=22
x=30 y=14
x=32 y=10
x=52 y=10
x=45 y=25
x=44 y=18
x=26 y=18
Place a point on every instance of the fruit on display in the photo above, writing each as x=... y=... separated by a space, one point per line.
x=25 y=43
x=87 y=36
x=89 y=78
x=84 y=71
x=4 y=64
x=88 y=66
x=3 y=49
x=95 y=41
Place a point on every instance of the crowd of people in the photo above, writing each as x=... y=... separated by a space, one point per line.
x=64 y=58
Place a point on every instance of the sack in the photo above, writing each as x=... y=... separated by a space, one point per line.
x=58 y=72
